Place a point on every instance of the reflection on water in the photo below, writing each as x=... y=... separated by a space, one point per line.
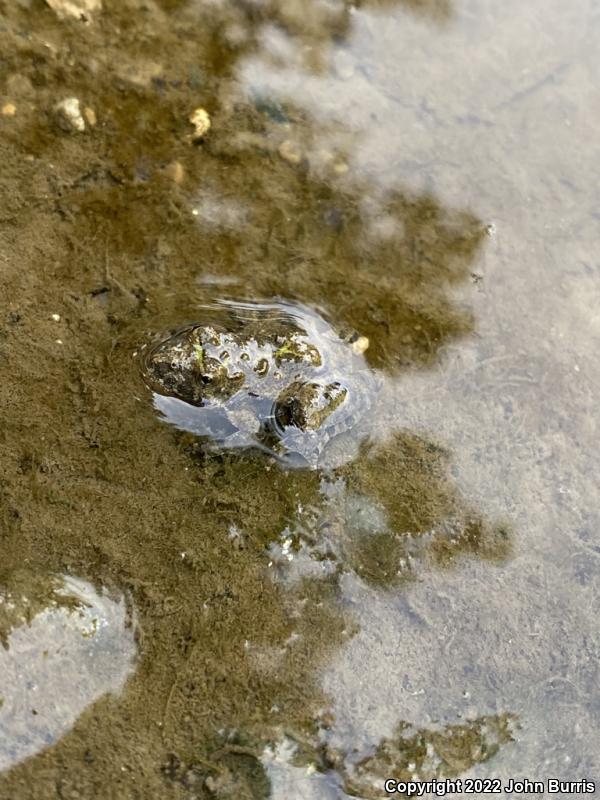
x=410 y=755
x=307 y=226
x=304 y=631
x=425 y=755
x=315 y=25
x=65 y=645
x=384 y=267
x=387 y=516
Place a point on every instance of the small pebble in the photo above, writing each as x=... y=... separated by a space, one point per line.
x=340 y=167
x=56 y=317
x=90 y=116
x=69 y=112
x=291 y=152
x=176 y=172
x=360 y=345
x=9 y=110
x=200 y=119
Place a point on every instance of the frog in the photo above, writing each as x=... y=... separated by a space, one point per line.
x=273 y=375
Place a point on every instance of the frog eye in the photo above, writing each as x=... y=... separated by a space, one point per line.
x=205 y=378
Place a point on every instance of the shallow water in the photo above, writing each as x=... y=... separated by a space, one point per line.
x=72 y=646
x=425 y=173
x=269 y=376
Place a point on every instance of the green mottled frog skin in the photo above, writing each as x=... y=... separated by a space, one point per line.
x=276 y=374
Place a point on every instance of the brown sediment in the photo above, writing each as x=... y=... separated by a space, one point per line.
x=97 y=228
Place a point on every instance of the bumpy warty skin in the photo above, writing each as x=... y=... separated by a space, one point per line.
x=276 y=375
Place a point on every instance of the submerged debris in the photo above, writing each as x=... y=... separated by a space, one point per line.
x=200 y=119
x=90 y=116
x=176 y=172
x=291 y=152
x=69 y=115
x=360 y=345
x=78 y=9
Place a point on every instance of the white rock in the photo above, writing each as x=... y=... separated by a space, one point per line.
x=360 y=345
x=70 y=112
x=291 y=152
x=200 y=119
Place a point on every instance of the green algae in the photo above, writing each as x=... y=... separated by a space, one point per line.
x=431 y=754
x=199 y=350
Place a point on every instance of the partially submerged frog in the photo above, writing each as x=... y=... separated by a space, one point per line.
x=273 y=375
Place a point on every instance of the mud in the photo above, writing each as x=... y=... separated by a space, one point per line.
x=112 y=233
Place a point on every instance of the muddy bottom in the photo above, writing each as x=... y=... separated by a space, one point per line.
x=185 y=618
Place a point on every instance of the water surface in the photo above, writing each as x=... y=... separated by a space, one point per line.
x=424 y=173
